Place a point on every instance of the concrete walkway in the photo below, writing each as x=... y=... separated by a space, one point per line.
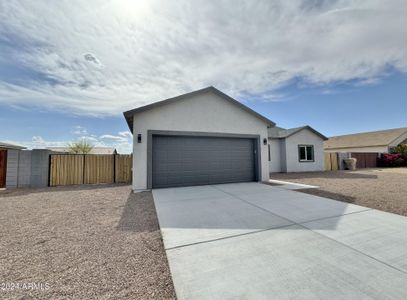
x=255 y=241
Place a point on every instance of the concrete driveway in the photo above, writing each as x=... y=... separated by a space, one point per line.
x=255 y=241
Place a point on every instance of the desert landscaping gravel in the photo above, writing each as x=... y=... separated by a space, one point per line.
x=383 y=189
x=83 y=242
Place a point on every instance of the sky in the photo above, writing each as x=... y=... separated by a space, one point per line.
x=68 y=69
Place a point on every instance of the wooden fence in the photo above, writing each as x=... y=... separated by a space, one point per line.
x=365 y=160
x=331 y=161
x=69 y=169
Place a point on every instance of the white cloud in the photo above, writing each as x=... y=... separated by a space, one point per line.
x=103 y=57
x=79 y=130
x=125 y=134
x=38 y=142
x=122 y=141
x=110 y=137
x=93 y=59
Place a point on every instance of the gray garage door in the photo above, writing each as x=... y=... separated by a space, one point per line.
x=183 y=161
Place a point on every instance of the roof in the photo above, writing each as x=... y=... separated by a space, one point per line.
x=103 y=150
x=365 y=139
x=95 y=150
x=10 y=146
x=130 y=113
x=281 y=133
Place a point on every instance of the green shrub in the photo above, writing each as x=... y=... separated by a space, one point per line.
x=81 y=147
x=402 y=150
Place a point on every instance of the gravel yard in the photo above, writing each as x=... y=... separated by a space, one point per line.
x=384 y=189
x=82 y=242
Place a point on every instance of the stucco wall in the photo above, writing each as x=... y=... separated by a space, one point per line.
x=27 y=168
x=24 y=169
x=40 y=167
x=275 y=156
x=12 y=168
x=202 y=113
x=304 y=137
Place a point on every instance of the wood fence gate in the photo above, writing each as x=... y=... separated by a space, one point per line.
x=3 y=168
x=69 y=169
x=331 y=161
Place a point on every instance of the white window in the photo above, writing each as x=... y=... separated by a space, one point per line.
x=306 y=153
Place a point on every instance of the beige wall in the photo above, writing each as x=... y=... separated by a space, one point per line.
x=202 y=113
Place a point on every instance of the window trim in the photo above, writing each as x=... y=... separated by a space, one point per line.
x=299 y=153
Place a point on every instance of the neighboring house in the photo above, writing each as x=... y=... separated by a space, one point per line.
x=295 y=150
x=382 y=141
x=203 y=137
x=95 y=150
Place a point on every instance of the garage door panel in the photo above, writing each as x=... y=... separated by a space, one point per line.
x=181 y=161
x=161 y=180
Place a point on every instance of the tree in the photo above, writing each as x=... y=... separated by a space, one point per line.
x=401 y=149
x=81 y=147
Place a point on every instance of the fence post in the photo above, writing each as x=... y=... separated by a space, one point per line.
x=84 y=166
x=114 y=168
x=49 y=169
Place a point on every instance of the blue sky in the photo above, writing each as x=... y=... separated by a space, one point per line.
x=68 y=69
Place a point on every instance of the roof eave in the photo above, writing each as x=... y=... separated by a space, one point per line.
x=12 y=147
x=130 y=113
x=355 y=146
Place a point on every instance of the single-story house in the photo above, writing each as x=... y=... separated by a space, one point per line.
x=203 y=137
x=295 y=150
x=94 y=150
x=382 y=141
x=7 y=154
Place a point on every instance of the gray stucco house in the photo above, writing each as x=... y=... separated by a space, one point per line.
x=207 y=137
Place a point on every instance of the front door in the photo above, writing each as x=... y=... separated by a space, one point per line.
x=3 y=168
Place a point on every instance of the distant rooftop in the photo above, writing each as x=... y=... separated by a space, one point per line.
x=95 y=150
x=10 y=146
x=365 y=139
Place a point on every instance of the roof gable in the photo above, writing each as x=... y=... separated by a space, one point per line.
x=365 y=139
x=280 y=133
x=129 y=114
